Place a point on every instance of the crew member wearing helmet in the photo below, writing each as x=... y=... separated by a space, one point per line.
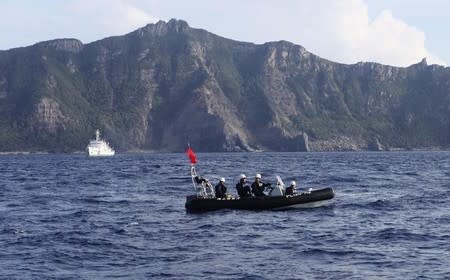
x=291 y=190
x=221 y=189
x=242 y=188
x=258 y=186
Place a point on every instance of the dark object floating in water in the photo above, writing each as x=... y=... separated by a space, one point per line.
x=313 y=198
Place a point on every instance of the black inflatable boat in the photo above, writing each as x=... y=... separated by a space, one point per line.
x=313 y=198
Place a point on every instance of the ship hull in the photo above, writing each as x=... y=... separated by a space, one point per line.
x=92 y=152
x=310 y=199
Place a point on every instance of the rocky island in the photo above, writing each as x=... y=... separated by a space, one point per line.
x=167 y=84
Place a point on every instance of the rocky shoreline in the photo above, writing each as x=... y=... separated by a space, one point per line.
x=318 y=149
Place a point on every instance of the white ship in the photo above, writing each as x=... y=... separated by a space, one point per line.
x=99 y=147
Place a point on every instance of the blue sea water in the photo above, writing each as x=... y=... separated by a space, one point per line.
x=73 y=217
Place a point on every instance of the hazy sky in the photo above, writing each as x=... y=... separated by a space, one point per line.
x=395 y=32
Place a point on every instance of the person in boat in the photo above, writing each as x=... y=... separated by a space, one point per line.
x=291 y=190
x=258 y=186
x=221 y=189
x=242 y=188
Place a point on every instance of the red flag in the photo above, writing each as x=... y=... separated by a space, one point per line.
x=192 y=157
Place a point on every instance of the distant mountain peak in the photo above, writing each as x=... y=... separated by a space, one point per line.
x=162 y=27
x=178 y=22
x=424 y=61
x=67 y=44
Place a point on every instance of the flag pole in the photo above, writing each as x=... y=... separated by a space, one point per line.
x=192 y=157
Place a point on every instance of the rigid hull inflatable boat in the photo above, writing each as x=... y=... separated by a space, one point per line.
x=276 y=198
x=312 y=198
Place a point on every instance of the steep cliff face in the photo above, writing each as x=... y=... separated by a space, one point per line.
x=167 y=84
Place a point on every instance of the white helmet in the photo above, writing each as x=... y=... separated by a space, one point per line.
x=222 y=180
x=258 y=176
x=243 y=176
x=293 y=183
